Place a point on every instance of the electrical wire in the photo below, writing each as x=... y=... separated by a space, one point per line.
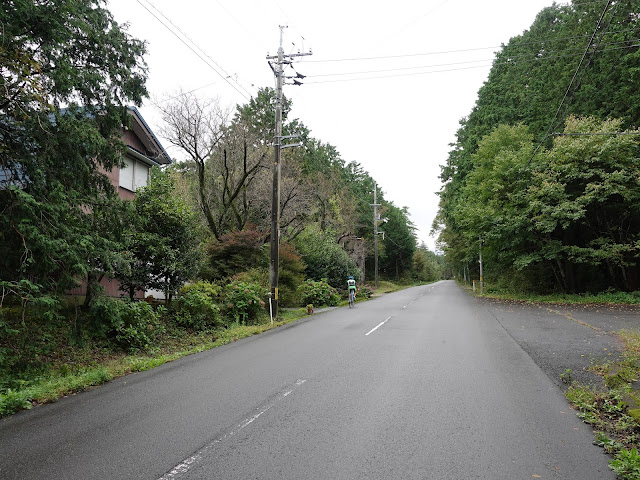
x=464 y=50
x=510 y=60
x=312 y=82
x=225 y=78
x=575 y=75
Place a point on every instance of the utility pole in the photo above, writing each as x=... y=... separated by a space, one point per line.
x=375 y=232
x=481 y=276
x=280 y=60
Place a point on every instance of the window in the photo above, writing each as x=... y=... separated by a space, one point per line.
x=133 y=174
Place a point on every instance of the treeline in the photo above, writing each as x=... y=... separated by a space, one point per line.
x=544 y=173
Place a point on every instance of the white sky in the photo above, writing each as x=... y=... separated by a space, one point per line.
x=398 y=128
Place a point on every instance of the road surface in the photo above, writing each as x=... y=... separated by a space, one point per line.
x=425 y=383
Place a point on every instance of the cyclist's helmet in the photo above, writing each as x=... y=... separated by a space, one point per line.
x=350 y=277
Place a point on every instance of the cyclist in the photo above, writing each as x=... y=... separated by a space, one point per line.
x=351 y=284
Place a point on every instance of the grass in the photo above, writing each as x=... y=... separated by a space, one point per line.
x=614 y=410
x=82 y=368
x=604 y=298
x=73 y=368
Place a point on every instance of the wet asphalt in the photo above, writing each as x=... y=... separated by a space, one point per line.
x=561 y=337
x=426 y=383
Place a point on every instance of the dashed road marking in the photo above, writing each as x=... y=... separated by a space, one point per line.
x=377 y=327
x=186 y=465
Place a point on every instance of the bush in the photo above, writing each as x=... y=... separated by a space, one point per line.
x=12 y=401
x=626 y=464
x=365 y=292
x=244 y=302
x=325 y=259
x=319 y=293
x=133 y=325
x=195 y=307
x=235 y=252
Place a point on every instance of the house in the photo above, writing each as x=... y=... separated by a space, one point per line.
x=143 y=152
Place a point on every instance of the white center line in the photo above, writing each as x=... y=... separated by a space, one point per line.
x=186 y=465
x=377 y=327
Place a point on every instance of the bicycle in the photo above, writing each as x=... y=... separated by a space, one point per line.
x=352 y=298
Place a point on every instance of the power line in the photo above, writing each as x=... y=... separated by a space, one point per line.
x=510 y=60
x=165 y=100
x=575 y=75
x=453 y=69
x=225 y=78
x=463 y=50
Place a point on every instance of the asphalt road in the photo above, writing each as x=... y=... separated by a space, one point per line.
x=426 y=383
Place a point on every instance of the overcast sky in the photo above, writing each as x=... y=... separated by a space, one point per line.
x=387 y=82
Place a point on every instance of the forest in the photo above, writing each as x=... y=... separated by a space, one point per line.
x=544 y=174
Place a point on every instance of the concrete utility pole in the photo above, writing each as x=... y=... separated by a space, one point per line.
x=375 y=232
x=481 y=276
x=280 y=61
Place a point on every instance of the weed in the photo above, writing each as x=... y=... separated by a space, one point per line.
x=567 y=376
x=610 y=446
x=627 y=464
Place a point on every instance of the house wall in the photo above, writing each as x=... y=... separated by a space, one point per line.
x=133 y=141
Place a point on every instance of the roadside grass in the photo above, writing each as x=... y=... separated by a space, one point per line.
x=71 y=368
x=92 y=365
x=606 y=298
x=614 y=410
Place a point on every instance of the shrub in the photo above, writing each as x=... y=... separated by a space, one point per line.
x=325 y=259
x=365 y=292
x=319 y=293
x=626 y=464
x=244 y=302
x=195 y=307
x=12 y=401
x=235 y=252
x=291 y=275
x=133 y=325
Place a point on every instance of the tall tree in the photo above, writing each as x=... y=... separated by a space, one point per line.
x=399 y=242
x=527 y=85
x=164 y=241
x=54 y=53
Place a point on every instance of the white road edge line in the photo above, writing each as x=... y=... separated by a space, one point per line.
x=187 y=463
x=377 y=327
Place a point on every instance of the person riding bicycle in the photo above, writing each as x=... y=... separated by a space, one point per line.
x=351 y=284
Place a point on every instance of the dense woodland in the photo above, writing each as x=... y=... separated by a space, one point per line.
x=544 y=174
x=199 y=230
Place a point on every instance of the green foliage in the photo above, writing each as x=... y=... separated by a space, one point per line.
x=12 y=401
x=195 y=307
x=570 y=215
x=566 y=218
x=291 y=275
x=133 y=325
x=53 y=159
x=399 y=242
x=163 y=241
x=610 y=446
x=427 y=266
x=319 y=293
x=365 y=292
x=626 y=464
x=235 y=252
x=325 y=259
x=244 y=302
x=567 y=376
